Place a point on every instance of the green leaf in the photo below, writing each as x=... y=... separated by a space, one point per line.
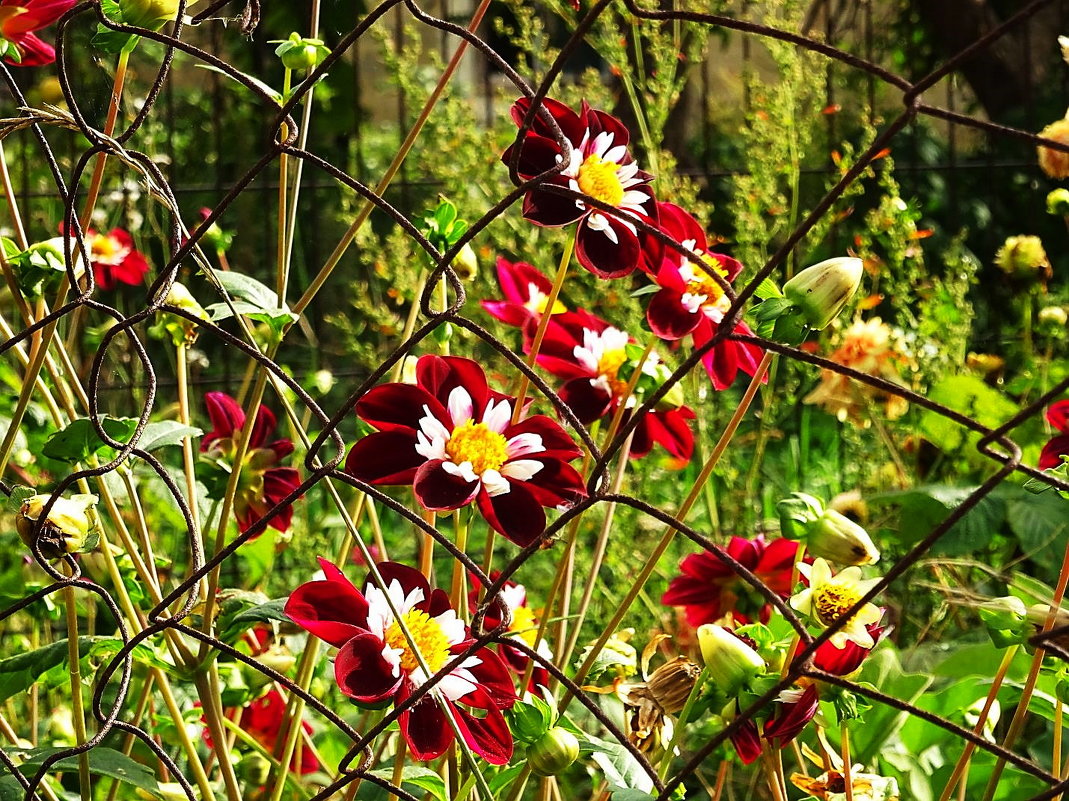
x=18 y=496
x=270 y=91
x=102 y=762
x=767 y=289
x=18 y=673
x=417 y=775
x=113 y=42
x=621 y=770
x=1040 y=523
x=923 y=508
x=970 y=396
x=78 y=441
x=165 y=432
x=261 y=613
x=252 y=299
x=649 y=289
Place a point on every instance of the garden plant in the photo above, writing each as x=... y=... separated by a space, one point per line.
x=509 y=449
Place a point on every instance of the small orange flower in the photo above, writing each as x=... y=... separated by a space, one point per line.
x=1055 y=163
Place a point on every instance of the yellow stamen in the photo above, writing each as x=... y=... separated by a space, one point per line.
x=475 y=443
x=609 y=367
x=104 y=247
x=524 y=624
x=428 y=637
x=704 y=284
x=832 y=601
x=598 y=179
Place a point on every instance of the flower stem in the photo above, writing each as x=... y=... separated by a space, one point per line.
x=1019 y=715
x=639 y=581
x=844 y=739
x=543 y=324
x=365 y=211
x=989 y=702
x=85 y=787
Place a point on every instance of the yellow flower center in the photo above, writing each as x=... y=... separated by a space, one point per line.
x=427 y=636
x=474 y=442
x=104 y=247
x=609 y=367
x=524 y=624
x=598 y=179
x=705 y=284
x=832 y=601
x=539 y=302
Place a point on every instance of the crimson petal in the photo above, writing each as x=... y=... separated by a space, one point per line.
x=391 y=407
x=440 y=491
x=1051 y=455
x=668 y=317
x=557 y=484
x=385 y=457
x=226 y=415
x=517 y=515
x=425 y=727
x=440 y=375
x=1058 y=415
x=361 y=671
x=554 y=438
x=333 y=610
x=602 y=256
x=587 y=401
x=550 y=210
x=488 y=736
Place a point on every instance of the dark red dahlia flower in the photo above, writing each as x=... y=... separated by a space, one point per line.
x=588 y=352
x=114 y=258
x=794 y=709
x=844 y=661
x=262 y=483
x=599 y=165
x=710 y=589
x=18 y=21
x=452 y=438
x=1053 y=451
x=377 y=663
x=692 y=302
x=524 y=627
x=526 y=292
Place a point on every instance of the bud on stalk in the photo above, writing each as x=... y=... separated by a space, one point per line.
x=466 y=265
x=553 y=752
x=821 y=291
x=69 y=528
x=839 y=539
x=732 y=664
x=151 y=14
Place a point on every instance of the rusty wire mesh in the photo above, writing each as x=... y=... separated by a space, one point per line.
x=327 y=450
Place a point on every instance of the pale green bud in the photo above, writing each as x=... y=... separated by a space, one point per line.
x=70 y=527
x=151 y=14
x=183 y=331
x=553 y=752
x=1053 y=316
x=1058 y=202
x=839 y=539
x=466 y=265
x=821 y=291
x=1024 y=257
x=299 y=53
x=732 y=664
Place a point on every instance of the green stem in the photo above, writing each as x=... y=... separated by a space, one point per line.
x=85 y=787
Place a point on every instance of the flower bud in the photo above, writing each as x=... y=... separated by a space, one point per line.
x=151 y=14
x=839 y=539
x=1003 y=613
x=183 y=331
x=1055 y=163
x=732 y=664
x=822 y=290
x=1024 y=257
x=466 y=265
x=298 y=53
x=1037 y=615
x=553 y=752
x=168 y=791
x=1058 y=202
x=1053 y=316
x=254 y=769
x=70 y=527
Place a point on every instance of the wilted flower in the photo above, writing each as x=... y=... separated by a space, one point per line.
x=830 y=598
x=598 y=164
x=452 y=438
x=821 y=291
x=593 y=356
x=731 y=662
x=831 y=786
x=1055 y=163
x=262 y=483
x=1023 y=257
x=69 y=528
x=526 y=292
x=18 y=21
x=709 y=589
x=691 y=301
x=650 y=703
x=377 y=662
x=866 y=347
x=1058 y=446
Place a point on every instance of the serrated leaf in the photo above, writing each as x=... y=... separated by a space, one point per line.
x=165 y=432
x=423 y=778
x=79 y=440
x=102 y=762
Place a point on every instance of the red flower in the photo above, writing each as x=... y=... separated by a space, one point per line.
x=377 y=664
x=263 y=720
x=844 y=661
x=1053 y=451
x=692 y=302
x=524 y=627
x=262 y=483
x=114 y=259
x=599 y=165
x=526 y=292
x=452 y=438
x=20 y=18
x=794 y=709
x=588 y=352
x=710 y=589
